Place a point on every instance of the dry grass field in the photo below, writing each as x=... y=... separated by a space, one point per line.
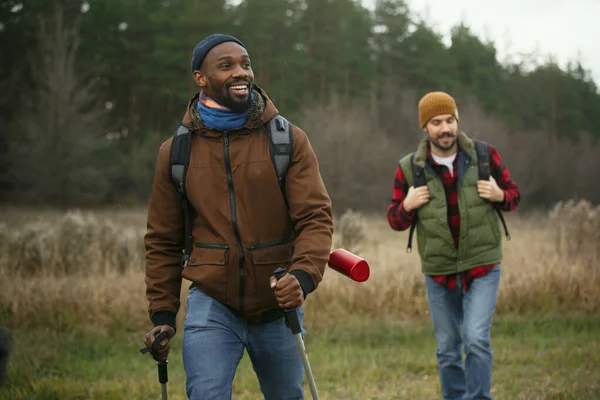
x=73 y=299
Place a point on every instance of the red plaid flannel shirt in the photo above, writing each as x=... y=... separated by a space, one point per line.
x=399 y=219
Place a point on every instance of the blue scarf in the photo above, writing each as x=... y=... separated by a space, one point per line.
x=216 y=116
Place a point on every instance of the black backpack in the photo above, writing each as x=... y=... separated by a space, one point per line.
x=483 y=156
x=279 y=131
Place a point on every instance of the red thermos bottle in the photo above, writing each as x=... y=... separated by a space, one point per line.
x=350 y=265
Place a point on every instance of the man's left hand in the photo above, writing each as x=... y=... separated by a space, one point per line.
x=287 y=291
x=490 y=190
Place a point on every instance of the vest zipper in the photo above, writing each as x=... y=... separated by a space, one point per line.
x=234 y=224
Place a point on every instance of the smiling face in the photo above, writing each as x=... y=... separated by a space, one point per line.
x=226 y=76
x=442 y=131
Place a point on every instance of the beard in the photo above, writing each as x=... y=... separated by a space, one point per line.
x=445 y=147
x=225 y=98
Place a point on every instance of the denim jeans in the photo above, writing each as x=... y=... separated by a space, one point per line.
x=464 y=318
x=214 y=340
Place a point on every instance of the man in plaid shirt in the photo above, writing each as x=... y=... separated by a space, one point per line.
x=459 y=241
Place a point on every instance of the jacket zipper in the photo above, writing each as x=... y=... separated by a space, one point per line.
x=446 y=202
x=236 y=230
x=270 y=244
x=212 y=246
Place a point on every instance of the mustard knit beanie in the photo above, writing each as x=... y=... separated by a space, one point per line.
x=436 y=103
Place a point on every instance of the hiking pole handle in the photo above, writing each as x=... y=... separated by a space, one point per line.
x=163 y=375
x=291 y=317
x=159 y=338
x=279 y=273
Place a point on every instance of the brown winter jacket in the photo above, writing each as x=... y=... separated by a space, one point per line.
x=241 y=227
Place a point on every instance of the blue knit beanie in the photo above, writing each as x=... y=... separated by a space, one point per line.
x=202 y=48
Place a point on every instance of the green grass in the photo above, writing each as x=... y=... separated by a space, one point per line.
x=552 y=357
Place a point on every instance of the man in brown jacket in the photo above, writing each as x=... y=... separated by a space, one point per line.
x=244 y=225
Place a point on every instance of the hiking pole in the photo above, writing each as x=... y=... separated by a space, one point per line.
x=291 y=318
x=163 y=376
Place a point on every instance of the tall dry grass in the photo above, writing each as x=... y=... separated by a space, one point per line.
x=74 y=243
x=550 y=265
x=62 y=270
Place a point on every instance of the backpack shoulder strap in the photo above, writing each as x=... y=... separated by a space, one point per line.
x=483 y=163
x=483 y=159
x=181 y=148
x=418 y=175
x=279 y=131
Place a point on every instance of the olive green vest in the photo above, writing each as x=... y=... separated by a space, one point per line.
x=480 y=240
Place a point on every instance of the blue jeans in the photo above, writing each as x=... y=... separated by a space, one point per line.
x=214 y=340
x=464 y=318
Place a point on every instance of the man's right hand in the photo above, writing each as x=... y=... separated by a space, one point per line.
x=416 y=198
x=162 y=351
